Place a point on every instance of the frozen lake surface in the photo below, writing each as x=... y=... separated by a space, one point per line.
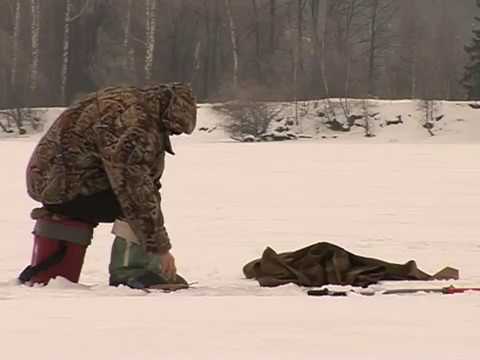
x=224 y=202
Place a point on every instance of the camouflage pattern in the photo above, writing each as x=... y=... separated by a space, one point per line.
x=115 y=139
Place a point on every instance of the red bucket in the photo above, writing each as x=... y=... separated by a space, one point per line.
x=69 y=267
x=69 y=256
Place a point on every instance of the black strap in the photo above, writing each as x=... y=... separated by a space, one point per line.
x=54 y=259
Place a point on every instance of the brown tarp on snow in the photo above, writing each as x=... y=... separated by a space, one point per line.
x=324 y=263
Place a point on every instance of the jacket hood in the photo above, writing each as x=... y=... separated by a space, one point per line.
x=180 y=116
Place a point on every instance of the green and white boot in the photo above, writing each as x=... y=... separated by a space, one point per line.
x=132 y=266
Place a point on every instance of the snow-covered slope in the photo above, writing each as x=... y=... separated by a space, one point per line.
x=391 y=121
x=225 y=202
x=454 y=122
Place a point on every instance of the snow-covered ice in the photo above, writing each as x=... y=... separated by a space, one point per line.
x=225 y=202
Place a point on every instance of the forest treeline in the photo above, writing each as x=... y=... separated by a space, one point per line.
x=53 y=51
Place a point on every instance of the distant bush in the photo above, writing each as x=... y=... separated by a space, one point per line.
x=251 y=121
x=21 y=121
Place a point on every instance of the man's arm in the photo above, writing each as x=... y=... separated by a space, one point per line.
x=128 y=155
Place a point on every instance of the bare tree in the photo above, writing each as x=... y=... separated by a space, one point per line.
x=15 y=40
x=258 y=54
x=273 y=25
x=372 y=46
x=300 y=25
x=35 y=12
x=150 y=28
x=217 y=46
x=81 y=56
x=352 y=9
x=207 y=48
x=430 y=110
x=128 y=49
x=448 y=71
x=347 y=18
x=329 y=106
x=233 y=38
x=296 y=49
x=66 y=50
x=379 y=16
x=368 y=124
x=316 y=71
x=411 y=34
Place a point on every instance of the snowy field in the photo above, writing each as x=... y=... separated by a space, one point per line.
x=224 y=202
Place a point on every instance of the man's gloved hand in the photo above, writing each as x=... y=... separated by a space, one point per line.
x=167 y=263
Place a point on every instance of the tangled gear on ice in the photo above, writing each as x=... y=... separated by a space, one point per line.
x=324 y=263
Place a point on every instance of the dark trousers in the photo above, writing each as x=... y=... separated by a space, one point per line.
x=102 y=207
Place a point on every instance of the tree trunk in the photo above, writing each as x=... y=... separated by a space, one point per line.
x=413 y=85
x=35 y=8
x=151 y=25
x=330 y=110
x=128 y=25
x=233 y=38
x=15 y=40
x=216 y=43
x=258 y=54
x=66 y=52
x=300 y=35
x=128 y=49
x=316 y=78
x=177 y=67
x=372 y=48
x=273 y=16
x=323 y=63
x=192 y=70
x=349 y=19
x=3 y=87
x=196 y=61
x=207 y=50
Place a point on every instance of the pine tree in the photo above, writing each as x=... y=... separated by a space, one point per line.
x=471 y=80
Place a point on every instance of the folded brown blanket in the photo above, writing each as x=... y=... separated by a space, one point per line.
x=324 y=263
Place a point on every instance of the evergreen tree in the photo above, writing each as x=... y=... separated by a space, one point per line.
x=471 y=80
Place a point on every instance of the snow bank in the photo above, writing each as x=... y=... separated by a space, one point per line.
x=455 y=122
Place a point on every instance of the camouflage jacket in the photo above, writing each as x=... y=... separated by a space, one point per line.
x=114 y=139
